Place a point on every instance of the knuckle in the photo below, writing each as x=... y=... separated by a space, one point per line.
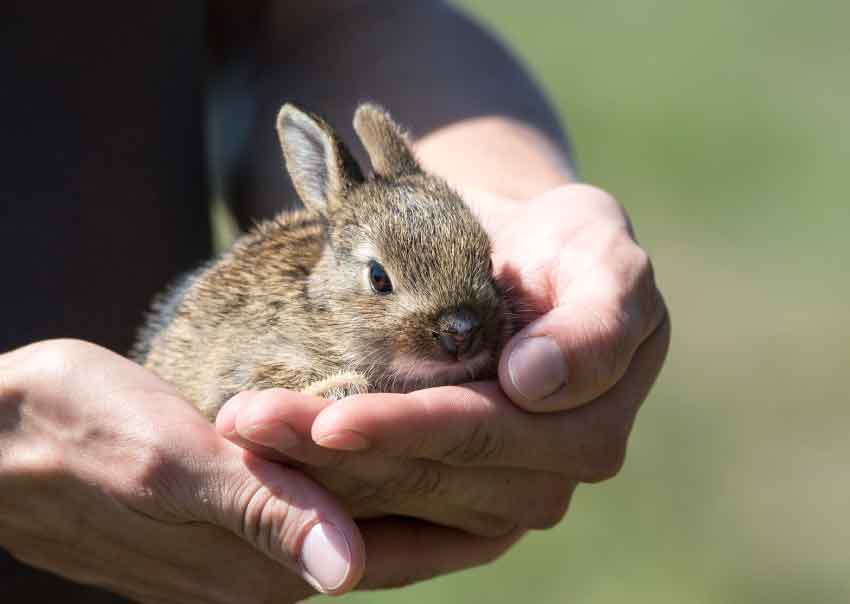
x=603 y=460
x=420 y=479
x=260 y=511
x=648 y=299
x=602 y=199
x=552 y=507
x=642 y=265
x=479 y=445
x=365 y=496
x=333 y=460
x=46 y=361
x=492 y=527
x=547 y=517
x=609 y=349
x=641 y=298
x=34 y=464
x=61 y=354
x=424 y=479
x=269 y=521
x=56 y=361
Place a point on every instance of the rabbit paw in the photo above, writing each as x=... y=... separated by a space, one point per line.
x=339 y=385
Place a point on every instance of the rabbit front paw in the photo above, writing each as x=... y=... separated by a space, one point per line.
x=339 y=386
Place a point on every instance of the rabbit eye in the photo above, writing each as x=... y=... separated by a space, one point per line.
x=490 y=266
x=379 y=279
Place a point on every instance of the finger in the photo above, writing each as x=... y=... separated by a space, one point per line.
x=582 y=347
x=365 y=500
x=370 y=485
x=275 y=424
x=394 y=562
x=481 y=501
x=279 y=511
x=225 y=425
x=477 y=425
x=269 y=418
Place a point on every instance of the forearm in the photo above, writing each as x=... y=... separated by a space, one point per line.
x=496 y=155
x=475 y=113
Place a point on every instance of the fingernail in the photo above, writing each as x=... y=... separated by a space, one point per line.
x=276 y=435
x=537 y=367
x=326 y=556
x=347 y=440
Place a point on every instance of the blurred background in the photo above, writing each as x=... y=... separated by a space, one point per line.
x=724 y=127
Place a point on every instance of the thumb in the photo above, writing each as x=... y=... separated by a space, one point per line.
x=568 y=357
x=287 y=517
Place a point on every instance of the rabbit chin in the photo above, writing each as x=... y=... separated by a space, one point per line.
x=411 y=372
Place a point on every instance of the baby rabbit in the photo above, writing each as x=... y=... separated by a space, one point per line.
x=382 y=284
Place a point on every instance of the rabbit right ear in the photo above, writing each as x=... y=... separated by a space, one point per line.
x=320 y=165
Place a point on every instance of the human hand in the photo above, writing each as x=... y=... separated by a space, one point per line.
x=587 y=292
x=469 y=456
x=108 y=477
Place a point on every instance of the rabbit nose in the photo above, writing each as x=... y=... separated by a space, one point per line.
x=458 y=333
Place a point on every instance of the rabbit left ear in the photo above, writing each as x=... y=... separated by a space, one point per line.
x=385 y=142
x=320 y=165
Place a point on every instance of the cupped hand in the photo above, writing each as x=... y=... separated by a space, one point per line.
x=108 y=477
x=593 y=335
x=586 y=293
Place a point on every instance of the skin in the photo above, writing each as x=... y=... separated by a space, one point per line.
x=211 y=522
x=85 y=434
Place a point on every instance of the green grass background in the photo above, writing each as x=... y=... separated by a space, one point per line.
x=724 y=127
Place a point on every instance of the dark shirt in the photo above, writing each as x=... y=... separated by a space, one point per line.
x=103 y=195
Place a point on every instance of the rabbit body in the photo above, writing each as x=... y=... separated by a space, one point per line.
x=382 y=284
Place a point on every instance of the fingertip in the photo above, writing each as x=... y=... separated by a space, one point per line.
x=333 y=559
x=533 y=371
x=225 y=420
x=353 y=423
x=295 y=521
x=594 y=343
x=263 y=420
x=332 y=430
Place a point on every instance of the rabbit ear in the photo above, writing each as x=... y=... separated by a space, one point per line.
x=386 y=143
x=320 y=165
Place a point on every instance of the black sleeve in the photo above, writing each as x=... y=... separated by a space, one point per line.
x=102 y=183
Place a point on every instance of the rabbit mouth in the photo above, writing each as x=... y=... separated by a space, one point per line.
x=410 y=372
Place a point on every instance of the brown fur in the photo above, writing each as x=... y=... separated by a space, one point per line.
x=290 y=304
